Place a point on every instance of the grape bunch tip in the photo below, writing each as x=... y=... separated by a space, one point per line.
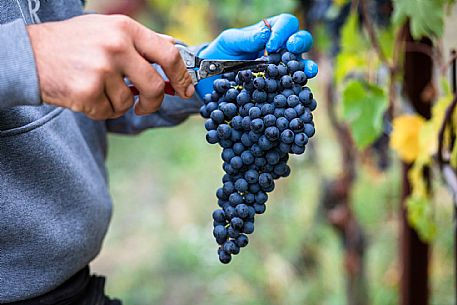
x=258 y=119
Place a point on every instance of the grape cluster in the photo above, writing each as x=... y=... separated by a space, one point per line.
x=258 y=119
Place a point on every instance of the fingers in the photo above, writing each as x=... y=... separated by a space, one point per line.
x=283 y=26
x=311 y=68
x=100 y=109
x=159 y=50
x=239 y=42
x=300 y=42
x=119 y=95
x=148 y=82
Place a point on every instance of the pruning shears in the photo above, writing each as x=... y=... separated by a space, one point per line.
x=199 y=68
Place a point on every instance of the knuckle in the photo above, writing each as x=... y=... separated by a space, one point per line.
x=116 y=43
x=173 y=57
x=122 y=22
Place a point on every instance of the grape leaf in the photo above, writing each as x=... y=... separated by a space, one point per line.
x=363 y=107
x=405 y=136
x=426 y=16
x=353 y=55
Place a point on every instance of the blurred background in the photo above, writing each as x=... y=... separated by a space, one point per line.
x=160 y=248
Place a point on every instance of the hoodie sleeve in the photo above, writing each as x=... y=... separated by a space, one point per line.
x=18 y=76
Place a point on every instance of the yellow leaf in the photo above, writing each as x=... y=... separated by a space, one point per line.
x=405 y=136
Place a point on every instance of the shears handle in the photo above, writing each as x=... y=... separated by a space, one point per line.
x=169 y=90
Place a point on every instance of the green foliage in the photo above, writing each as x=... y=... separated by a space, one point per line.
x=363 y=106
x=353 y=55
x=426 y=16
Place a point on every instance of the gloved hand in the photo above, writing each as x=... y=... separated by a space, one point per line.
x=249 y=43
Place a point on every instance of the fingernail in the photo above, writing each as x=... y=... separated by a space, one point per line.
x=190 y=90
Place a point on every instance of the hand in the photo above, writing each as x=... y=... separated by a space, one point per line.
x=249 y=43
x=82 y=62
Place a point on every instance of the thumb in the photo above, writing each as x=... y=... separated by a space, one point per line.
x=241 y=41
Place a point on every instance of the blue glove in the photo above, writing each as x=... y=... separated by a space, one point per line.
x=249 y=43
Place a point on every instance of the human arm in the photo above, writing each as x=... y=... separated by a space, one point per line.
x=81 y=64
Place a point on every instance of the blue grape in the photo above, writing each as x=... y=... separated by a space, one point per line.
x=274 y=58
x=305 y=96
x=287 y=92
x=256 y=150
x=312 y=105
x=246 y=123
x=257 y=125
x=280 y=101
x=231 y=247
x=228 y=188
x=282 y=69
x=243 y=98
x=236 y=122
x=264 y=143
x=238 y=149
x=286 y=81
x=293 y=100
x=246 y=141
x=211 y=137
x=247 y=157
x=309 y=130
x=287 y=136
x=232 y=232
x=235 y=199
x=221 y=85
x=249 y=198
x=241 y=185
x=271 y=85
x=282 y=123
x=259 y=83
x=248 y=227
x=299 y=109
x=269 y=120
x=272 y=133
x=255 y=112
x=301 y=139
x=260 y=162
x=259 y=96
x=254 y=136
x=299 y=77
x=231 y=95
x=272 y=157
x=217 y=116
x=254 y=188
x=298 y=150
x=242 y=241
x=236 y=223
x=293 y=66
x=229 y=110
x=236 y=162
x=251 y=176
x=224 y=131
x=227 y=154
x=210 y=125
x=287 y=56
x=242 y=210
x=225 y=143
x=296 y=124
x=290 y=114
x=259 y=208
x=272 y=71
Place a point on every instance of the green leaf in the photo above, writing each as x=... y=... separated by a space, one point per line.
x=363 y=107
x=426 y=16
x=353 y=55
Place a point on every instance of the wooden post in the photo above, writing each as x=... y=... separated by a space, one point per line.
x=414 y=253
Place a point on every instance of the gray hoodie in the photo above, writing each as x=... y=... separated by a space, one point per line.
x=54 y=202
